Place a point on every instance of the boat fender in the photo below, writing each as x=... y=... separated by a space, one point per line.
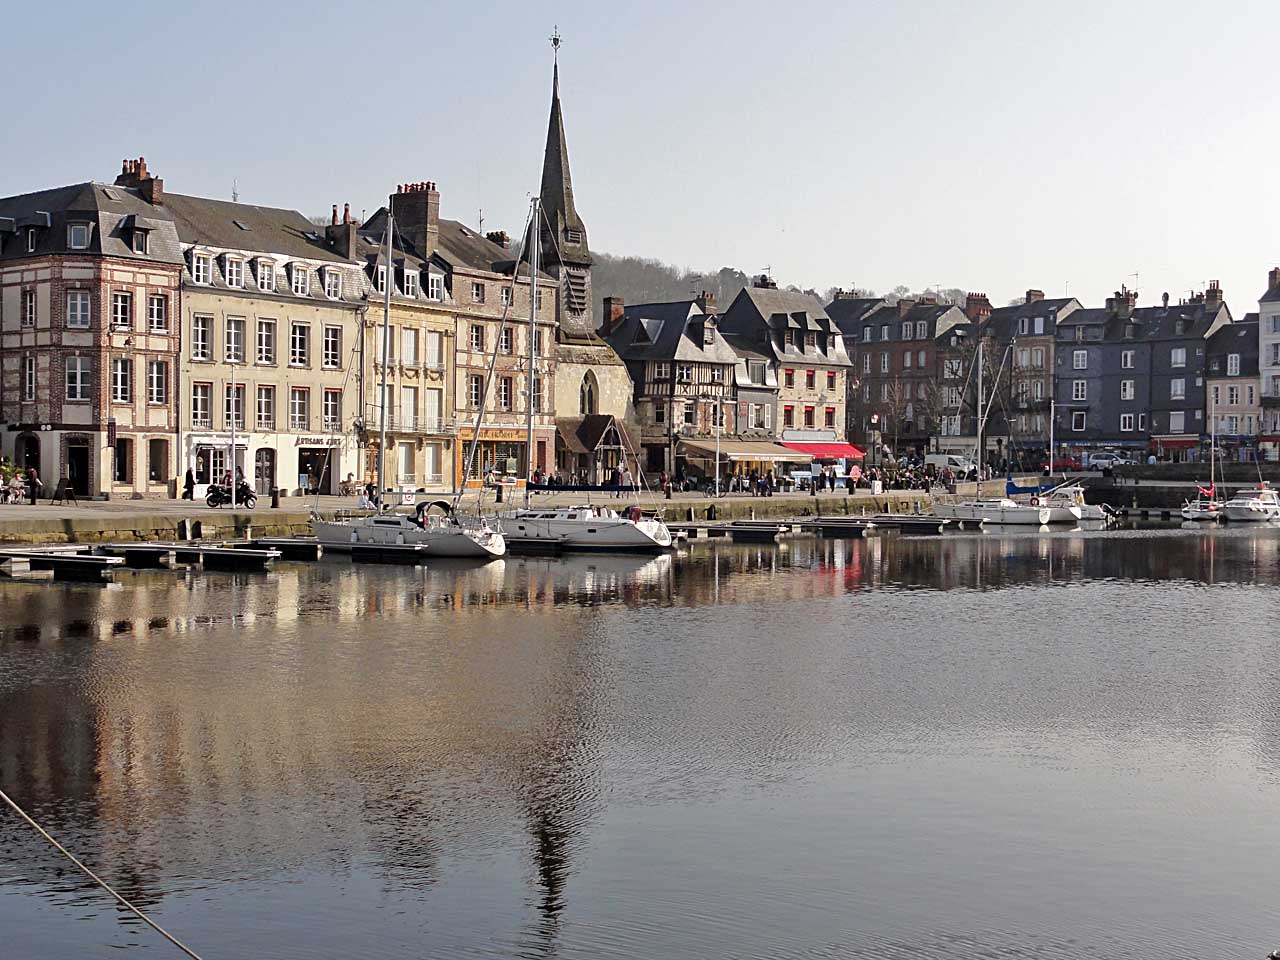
x=1035 y=501
x=633 y=514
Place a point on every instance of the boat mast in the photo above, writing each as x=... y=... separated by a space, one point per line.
x=981 y=415
x=386 y=346
x=1052 y=417
x=534 y=234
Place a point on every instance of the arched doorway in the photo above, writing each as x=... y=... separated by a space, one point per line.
x=27 y=451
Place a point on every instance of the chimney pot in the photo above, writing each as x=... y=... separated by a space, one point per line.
x=346 y=213
x=333 y=217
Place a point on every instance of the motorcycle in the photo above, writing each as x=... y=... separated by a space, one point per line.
x=219 y=495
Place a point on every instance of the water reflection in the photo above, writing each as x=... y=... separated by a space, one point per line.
x=519 y=755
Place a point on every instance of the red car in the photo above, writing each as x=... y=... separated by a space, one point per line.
x=1062 y=463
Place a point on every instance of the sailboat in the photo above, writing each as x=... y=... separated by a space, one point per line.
x=441 y=534
x=1207 y=505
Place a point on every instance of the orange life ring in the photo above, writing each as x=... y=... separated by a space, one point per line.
x=1035 y=501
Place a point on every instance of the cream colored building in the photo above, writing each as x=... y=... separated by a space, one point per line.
x=272 y=307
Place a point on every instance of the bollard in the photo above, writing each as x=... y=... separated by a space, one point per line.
x=711 y=512
x=813 y=489
x=667 y=491
x=275 y=498
x=498 y=499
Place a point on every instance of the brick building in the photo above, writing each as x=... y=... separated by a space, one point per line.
x=89 y=284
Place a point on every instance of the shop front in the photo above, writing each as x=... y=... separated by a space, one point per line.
x=208 y=457
x=740 y=460
x=318 y=465
x=501 y=454
x=1175 y=447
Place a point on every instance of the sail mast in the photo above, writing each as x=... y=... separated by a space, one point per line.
x=534 y=243
x=981 y=415
x=386 y=346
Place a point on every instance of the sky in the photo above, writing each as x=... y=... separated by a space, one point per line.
x=991 y=146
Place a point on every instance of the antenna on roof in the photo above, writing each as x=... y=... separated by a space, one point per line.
x=481 y=230
x=1135 y=280
x=235 y=191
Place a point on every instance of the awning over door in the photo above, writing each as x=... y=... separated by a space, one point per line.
x=828 y=451
x=741 y=450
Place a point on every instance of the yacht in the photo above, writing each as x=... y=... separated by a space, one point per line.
x=587 y=527
x=997 y=510
x=442 y=534
x=1258 y=505
x=1202 y=508
x=1068 y=506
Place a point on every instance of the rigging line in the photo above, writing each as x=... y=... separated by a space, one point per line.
x=328 y=453
x=98 y=880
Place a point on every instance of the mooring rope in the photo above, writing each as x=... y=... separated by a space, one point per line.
x=99 y=881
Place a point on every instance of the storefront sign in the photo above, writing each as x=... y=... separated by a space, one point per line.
x=318 y=442
x=465 y=433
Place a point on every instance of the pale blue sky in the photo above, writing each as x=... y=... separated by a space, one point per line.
x=986 y=145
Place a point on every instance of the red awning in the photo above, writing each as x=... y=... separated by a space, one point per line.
x=1179 y=444
x=828 y=451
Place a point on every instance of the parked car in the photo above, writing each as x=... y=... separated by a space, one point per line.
x=1108 y=461
x=1060 y=464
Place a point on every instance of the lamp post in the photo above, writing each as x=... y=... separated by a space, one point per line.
x=875 y=439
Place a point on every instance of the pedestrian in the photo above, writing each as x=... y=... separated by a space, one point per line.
x=628 y=481
x=33 y=484
x=189 y=485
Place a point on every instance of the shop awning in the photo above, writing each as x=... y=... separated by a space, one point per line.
x=1176 y=441
x=763 y=450
x=828 y=451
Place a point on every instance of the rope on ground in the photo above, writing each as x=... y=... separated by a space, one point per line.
x=99 y=881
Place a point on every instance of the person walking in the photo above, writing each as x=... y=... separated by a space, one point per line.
x=33 y=484
x=189 y=485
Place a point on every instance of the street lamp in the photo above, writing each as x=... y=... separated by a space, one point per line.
x=875 y=439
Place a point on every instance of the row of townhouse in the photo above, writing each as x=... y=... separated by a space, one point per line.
x=145 y=333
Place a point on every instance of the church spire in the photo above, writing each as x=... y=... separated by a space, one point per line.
x=563 y=234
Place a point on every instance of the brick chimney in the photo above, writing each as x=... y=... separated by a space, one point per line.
x=763 y=282
x=614 y=308
x=1034 y=296
x=499 y=237
x=1213 y=296
x=977 y=307
x=1164 y=299
x=133 y=173
x=1122 y=303
x=416 y=207
x=1273 y=279
x=706 y=302
x=341 y=236
x=905 y=306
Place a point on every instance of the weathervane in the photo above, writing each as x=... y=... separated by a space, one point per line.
x=555 y=42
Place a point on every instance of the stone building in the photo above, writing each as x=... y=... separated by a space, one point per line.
x=89 y=281
x=1269 y=365
x=1231 y=372
x=272 y=309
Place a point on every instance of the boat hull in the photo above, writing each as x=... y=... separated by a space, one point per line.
x=1017 y=515
x=1250 y=514
x=604 y=534
x=340 y=535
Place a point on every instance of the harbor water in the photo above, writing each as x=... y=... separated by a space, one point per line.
x=979 y=745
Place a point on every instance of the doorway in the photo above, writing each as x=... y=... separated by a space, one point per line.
x=78 y=468
x=264 y=470
x=28 y=452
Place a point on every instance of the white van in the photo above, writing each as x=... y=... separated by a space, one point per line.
x=957 y=463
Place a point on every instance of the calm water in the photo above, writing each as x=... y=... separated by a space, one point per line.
x=980 y=746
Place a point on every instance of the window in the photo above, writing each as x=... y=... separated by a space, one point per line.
x=201 y=265
x=1275 y=323
x=1023 y=357
x=299 y=408
x=158 y=313
x=788 y=416
x=121 y=380
x=1250 y=389
x=506 y=341
x=1078 y=420
x=504 y=296
x=789 y=378
x=265 y=407
x=233 y=407
x=866 y=363
x=78 y=376
x=29 y=378
x=809 y=420
x=810 y=380
x=411 y=283
x=435 y=286
x=831 y=380
x=139 y=240
x=475 y=390
x=951 y=397
x=1233 y=365
x=884 y=362
x=332 y=355
x=690 y=414
x=906 y=360
x=267 y=276
x=505 y=393
x=829 y=417
x=922 y=329
x=537 y=394
x=1233 y=395
x=121 y=311
x=884 y=331
x=1177 y=421
x=477 y=293
x=1178 y=357
x=235 y=272
x=1038 y=390
x=28 y=308
x=157 y=381
x=266 y=341
x=332 y=410
x=77 y=309
x=1142 y=421
x=755 y=371
x=381 y=282
x=717 y=374
x=31 y=239
x=477 y=338
x=659 y=413
x=810 y=341
x=951 y=369
x=409 y=346
x=866 y=334
x=662 y=370
x=1177 y=389
x=1037 y=358
x=333 y=284
x=1023 y=325
x=201 y=404
x=920 y=359
x=435 y=349
x=78 y=236
x=122 y=458
x=906 y=330
x=1126 y=389
x=1079 y=359
x=233 y=340
x=1079 y=389
x=157 y=460
x=301 y=280
x=1126 y=422
x=299 y=345
x=1126 y=359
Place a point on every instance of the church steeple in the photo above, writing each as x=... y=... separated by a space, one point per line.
x=564 y=249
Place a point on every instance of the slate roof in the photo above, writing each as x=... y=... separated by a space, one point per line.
x=1240 y=337
x=557 y=191
x=764 y=314
x=106 y=207
x=459 y=247
x=1004 y=320
x=1271 y=296
x=584 y=434
x=666 y=331
x=273 y=230
x=849 y=313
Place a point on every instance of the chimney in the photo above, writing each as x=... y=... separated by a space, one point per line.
x=341 y=237
x=1033 y=296
x=614 y=308
x=905 y=305
x=133 y=173
x=1213 y=296
x=1121 y=304
x=763 y=282
x=416 y=207
x=977 y=307
x=499 y=237
x=1164 y=299
x=706 y=302
x=1273 y=279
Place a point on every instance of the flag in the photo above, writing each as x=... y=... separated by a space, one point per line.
x=1204 y=492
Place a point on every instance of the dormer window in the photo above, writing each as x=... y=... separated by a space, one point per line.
x=410 y=282
x=435 y=286
x=333 y=284
x=267 y=276
x=31 y=239
x=382 y=279
x=201 y=264
x=235 y=272
x=139 y=240
x=301 y=280
x=78 y=236
x=1179 y=327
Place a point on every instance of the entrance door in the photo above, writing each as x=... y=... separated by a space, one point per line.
x=264 y=470
x=78 y=468
x=28 y=452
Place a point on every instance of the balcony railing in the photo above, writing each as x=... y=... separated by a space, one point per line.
x=202 y=423
x=333 y=424
x=299 y=423
x=267 y=423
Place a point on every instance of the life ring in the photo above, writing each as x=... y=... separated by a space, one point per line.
x=1035 y=501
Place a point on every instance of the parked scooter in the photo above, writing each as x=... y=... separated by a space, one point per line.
x=219 y=495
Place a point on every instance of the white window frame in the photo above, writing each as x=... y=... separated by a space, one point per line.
x=121 y=319
x=331 y=410
x=233 y=335
x=1233 y=365
x=475 y=390
x=266 y=342
x=1178 y=357
x=1182 y=421
x=331 y=346
x=1079 y=390
x=1079 y=359
x=158 y=313
x=411 y=283
x=1126 y=359
x=435 y=286
x=267 y=275
x=477 y=338
x=504 y=296
x=506 y=341
x=1079 y=420
x=300 y=281
x=29 y=378
x=79 y=319
x=78 y=235
x=662 y=370
x=907 y=329
x=299 y=344
x=1126 y=389
x=1126 y=423
x=332 y=283
x=201 y=336
x=202 y=396
x=157 y=381
x=299 y=408
x=477 y=291
x=77 y=386
x=201 y=268
x=264 y=406
x=1177 y=389
x=235 y=273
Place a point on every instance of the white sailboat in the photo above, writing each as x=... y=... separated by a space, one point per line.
x=1207 y=505
x=1259 y=505
x=443 y=534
